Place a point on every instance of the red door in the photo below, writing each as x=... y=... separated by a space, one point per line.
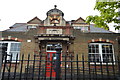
x=50 y=65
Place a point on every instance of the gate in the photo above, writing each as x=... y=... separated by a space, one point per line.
x=51 y=56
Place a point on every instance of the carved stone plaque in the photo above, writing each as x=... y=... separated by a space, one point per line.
x=54 y=31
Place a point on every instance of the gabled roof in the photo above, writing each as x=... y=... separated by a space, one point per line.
x=79 y=20
x=35 y=20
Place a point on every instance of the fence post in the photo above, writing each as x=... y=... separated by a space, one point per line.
x=58 y=62
x=0 y=64
x=1 y=59
x=118 y=68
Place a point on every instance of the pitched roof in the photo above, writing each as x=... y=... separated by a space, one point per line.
x=94 y=29
x=17 y=25
x=22 y=27
x=79 y=20
x=35 y=20
x=18 y=28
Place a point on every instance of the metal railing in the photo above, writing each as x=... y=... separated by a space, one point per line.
x=38 y=67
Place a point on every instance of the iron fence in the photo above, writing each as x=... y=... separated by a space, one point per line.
x=40 y=67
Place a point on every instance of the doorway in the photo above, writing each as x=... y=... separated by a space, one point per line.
x=51 y=57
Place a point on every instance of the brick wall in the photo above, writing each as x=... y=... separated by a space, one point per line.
x=79 y=45
x=82 y=40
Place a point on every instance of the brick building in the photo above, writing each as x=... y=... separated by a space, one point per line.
x=75 y=36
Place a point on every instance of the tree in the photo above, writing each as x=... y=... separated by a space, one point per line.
x=108 y=13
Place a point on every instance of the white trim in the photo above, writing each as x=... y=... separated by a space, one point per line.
x=102 y=63
x=8 y=51
x=50 y=51
x=100 y=52
x=9 y=42
x=9 y=47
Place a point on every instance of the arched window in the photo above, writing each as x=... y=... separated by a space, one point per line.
x=10 y=47
x=101 y=52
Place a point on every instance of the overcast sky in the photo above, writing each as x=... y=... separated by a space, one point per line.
x=21 y=11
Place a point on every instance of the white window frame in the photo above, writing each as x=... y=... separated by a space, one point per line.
x=9 y=51
x=31 y=26
x=101 y=54
x=50 y=45
x=82 y=28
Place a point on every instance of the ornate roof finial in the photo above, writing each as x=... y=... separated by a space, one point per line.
x=55 y=6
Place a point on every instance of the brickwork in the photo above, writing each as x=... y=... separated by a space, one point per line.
x=82 y=40
x=79 y=45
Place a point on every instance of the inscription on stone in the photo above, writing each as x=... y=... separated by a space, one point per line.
x=54 y=31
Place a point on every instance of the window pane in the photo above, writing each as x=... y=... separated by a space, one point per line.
x=14 y=50
x=103 y=51
x=15 y=47
x=14 y=55
x=51 y=47
x=94 y=57
x=90 y=51
x=97 y=46
x=107 y=49
x=111 y=51
x=93 y=48
x=107 y=57
x=89 y=46
x=48 y=48
x=97 y=50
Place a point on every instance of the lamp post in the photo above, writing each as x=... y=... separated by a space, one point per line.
x=58 y=62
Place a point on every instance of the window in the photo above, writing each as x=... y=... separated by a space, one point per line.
x=82 y=28
x=101 y=52
x=31 y=26
x=51 y=47
x=11 y=47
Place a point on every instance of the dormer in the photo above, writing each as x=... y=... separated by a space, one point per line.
x=80 y=24
x=33 y=23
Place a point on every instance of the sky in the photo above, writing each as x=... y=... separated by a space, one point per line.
x=21 y=11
